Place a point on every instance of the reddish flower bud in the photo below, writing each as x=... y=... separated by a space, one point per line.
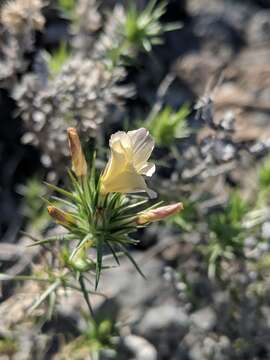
x=159 y=213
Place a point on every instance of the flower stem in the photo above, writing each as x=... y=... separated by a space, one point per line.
x=86 y=296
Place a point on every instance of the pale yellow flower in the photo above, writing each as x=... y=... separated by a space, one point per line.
x=128 y=163
x=159 y=213
x=79 y=165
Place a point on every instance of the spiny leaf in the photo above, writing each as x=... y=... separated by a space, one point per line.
x=125 y=251
x=93 y=172
x=46 y=293
x=125 y=208
x=51 y=239
x=62 y=191
x=99 y=260
x=65 y=202
x=6 y=277
x=113 y=252
x=75 y=183
x=84 y=241
x=85 y=294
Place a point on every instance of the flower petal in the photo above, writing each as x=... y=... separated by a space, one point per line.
x=125 y=181
x=142 y=146
x=128 y=162
x=121 y=143
x=148 y=169
x=114 y=167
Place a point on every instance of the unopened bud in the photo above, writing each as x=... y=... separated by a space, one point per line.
x=159 y=213
x=79 y=165
x=61 y=216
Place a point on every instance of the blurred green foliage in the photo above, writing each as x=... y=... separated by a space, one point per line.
x=168 y=125
x=226 y=232
x=264 y=174
x=264 y=263
x=187 y=218
x=99 y=334
x=97 y=337
x=67 y=7
x=8 y=347
x=33 y=208
x=141 y=30
x=262 y=198
x=57 y=59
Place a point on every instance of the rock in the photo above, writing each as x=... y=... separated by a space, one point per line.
x=210 y=348
x=258 y=29
x=164 y=326
x=236 y=14
x=195 y=69
x=266 y=230
x=250 y=242
x=216 y=34
x=164 y=317
x=204 y=319
x=107 y=354
x=130 y=288
x=140 y=348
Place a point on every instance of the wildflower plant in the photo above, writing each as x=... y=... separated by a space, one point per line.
x=133 y=31
x=97 y=337
x=100 y=211
x=143 y=29
x=227 y=233
x=168 y=125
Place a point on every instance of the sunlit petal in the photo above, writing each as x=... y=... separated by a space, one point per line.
x=126 y=181
x=128 y=162
x=148 y=169
x=142 y=146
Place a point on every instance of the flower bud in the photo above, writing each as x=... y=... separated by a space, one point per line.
x=79 y=165
x=61 y=216
x=159 y=213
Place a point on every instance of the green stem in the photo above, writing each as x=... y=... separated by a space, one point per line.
x=86 y=296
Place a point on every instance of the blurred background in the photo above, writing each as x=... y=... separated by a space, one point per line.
x=196 y=73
